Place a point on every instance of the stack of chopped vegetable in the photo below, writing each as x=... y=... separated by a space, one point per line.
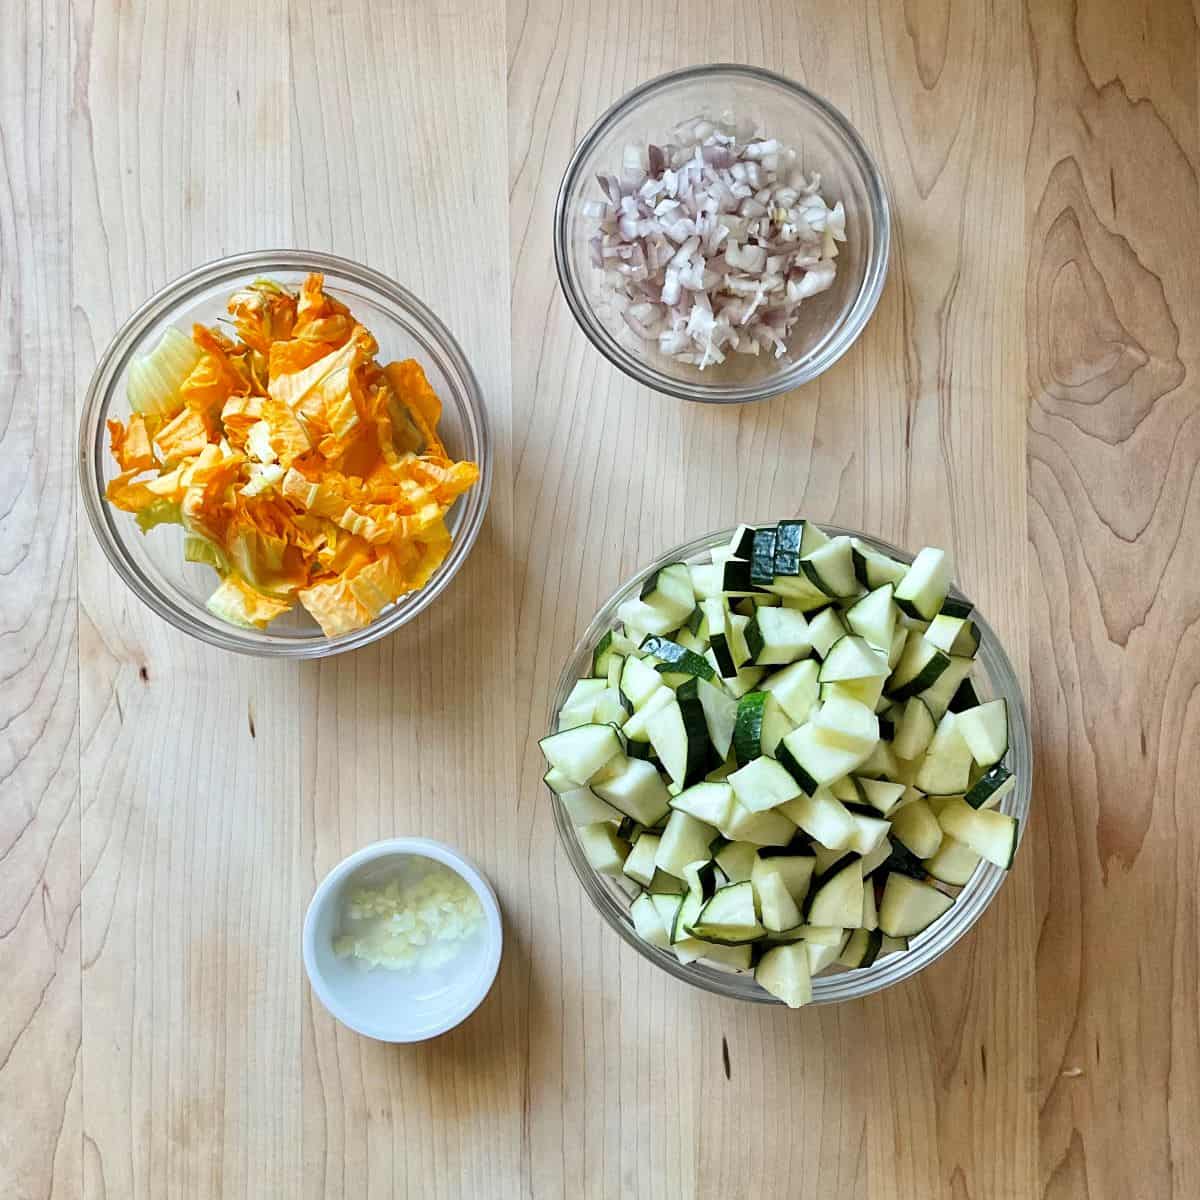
x=780 y=754
x=302 y=470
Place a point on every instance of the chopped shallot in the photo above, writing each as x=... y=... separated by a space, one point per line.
x=713 y=241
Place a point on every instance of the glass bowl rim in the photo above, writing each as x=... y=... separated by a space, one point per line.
x=983 y=884
x=875 y=274
x=435 y=339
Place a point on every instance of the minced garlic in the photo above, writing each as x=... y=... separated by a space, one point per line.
x=419 y=918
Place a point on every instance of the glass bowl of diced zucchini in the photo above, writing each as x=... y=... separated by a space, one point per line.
x=789 y=763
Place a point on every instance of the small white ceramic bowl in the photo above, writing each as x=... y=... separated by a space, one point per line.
x=399 y=1006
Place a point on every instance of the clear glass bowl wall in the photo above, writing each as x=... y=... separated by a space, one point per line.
x=993 y=677
x=826 y=142
x=153 y=566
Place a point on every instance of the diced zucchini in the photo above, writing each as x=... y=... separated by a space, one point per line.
x=580 y=704
x=639 y=865
x=909 y=906
x=990 y=788
x=964 y=697
x=943 y=696
x=635 y=787
x=735 y=578
x=720 y=715
x=824 y=817
x=584 y=807
x=637 y=727
x=953 y=863
x=985 y=730
x=826 y=629
x=865 y=691
x=779 y=910
x=812 y=761
x=796 y=871
x=747 y=731
x=737 y=860
x=762 y=557
x=676 y=659
x=784 y=972
x=763 y=784
x=874 y=568
x=728 y=918
x=662 y=884
x=602 y=847
x=639 y=680
x=955 y=635
x=847 y=725
x=917 y=828
x=880 y=794
x=601 y=655
x=580 y=753
x=862 y=949
x=946 y=768
x=716 y=613
x=556 y=781
x=707 y=802
x=741 y=545
x=679 y=735
x=667 y=905
x=736 y=958
x=992 y=835
x=836 y=897
x=706 y=580
x=640 y=618
x=745 y=680
x=647 y=923
x=923 y=589
x=892 y=945
x=870 y=917
x=796 y=688
x=915 y=729
x=899 y=641
x=830 y=568
x=776 y=726
x=873 y=861
x=852 y=657
x=609 y=708
x=902 y=861
x=869 y=833
x=777 y=636
x=770 y=828
x=873 y=618
x=919 y=668
x=670 y=592
x=821 y=956
x=684 y=841
x=883 y=764
x=819 y=935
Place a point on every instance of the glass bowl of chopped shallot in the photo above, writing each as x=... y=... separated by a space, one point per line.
x=721 y=234
x=285 y=454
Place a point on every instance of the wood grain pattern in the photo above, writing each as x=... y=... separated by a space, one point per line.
x=39 y=698
x=1114 y=335
x=1023 y=395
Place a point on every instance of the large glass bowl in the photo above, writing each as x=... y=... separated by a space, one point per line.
x=153 y=565
x=826 y=142
x=993 y=677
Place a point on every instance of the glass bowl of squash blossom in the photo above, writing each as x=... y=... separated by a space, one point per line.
x=790 y=764
x=180 y=563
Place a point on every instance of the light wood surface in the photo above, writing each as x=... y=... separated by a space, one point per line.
x=1023 y=396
